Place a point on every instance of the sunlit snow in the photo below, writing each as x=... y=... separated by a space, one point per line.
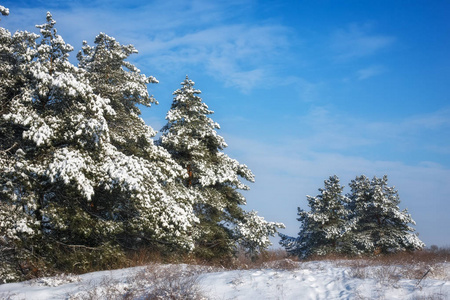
x=311 y=280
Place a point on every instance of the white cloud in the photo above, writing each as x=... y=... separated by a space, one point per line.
x=370 y=72
x=175 y=35
x=432 y=121
x=356 y=41
x=306 y=90
x=235 y=54
x=329 y=129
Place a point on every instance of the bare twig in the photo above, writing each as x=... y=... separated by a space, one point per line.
x=424 y=275
x=9 y=149
x=79 y=246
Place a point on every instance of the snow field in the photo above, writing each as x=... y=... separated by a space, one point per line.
x=309 y=280
x=316 y=280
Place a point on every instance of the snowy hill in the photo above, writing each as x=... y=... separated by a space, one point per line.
x=280 y=280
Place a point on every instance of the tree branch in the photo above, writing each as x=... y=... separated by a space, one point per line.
x=10 y=148
x=78 y=246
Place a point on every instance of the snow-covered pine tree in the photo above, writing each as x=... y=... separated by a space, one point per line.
x=68 y=185
x=324 y=227
x=18 y=226
x=191 y=137
x=55 y=124
x=170 y=212
x=112 y=77
x=380 y=226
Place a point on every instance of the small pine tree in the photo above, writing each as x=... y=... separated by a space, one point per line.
x=191 y=138
x=324 y=227
x=366 y=221
x=380 y=226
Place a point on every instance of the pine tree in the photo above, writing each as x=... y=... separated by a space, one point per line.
x=366 y=221
x=18 y=227
x=380 y=225
x=55 y=129
x=70 y=191
x=191 y=138
x=324 y=227
x=116 y=79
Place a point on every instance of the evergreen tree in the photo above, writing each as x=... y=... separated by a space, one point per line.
x=324 y=227
x=380 y=226
x=58 y=131
x=18 y=226
x=366 y=221
x=191 y=138
x=116 y=79
x=70 y=191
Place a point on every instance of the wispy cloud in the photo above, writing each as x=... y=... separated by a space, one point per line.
x=357 y=41
x=209 y=35
x=236 y=54
x=433 y=121
x=371 y=71
x=306 y=90
x=331 y=130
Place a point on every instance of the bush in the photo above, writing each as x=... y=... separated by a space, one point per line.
x=173 y=282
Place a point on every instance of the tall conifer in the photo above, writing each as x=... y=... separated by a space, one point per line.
x=191 y=137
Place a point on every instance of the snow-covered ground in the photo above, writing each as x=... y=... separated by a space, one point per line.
x=310 y=280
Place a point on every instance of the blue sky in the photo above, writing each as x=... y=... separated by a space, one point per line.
x=302 y=89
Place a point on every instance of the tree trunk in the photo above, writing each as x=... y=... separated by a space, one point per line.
x=190 y=174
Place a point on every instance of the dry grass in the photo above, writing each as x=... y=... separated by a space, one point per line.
x=439 y=296
x=392 y=273
x=6 y=296
x=172 y=282
x=274 y=259
x=155 y=282
x=160 y=280
x=279 y=259
x=165 y=278
x=387 y=270
x=431 y=255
